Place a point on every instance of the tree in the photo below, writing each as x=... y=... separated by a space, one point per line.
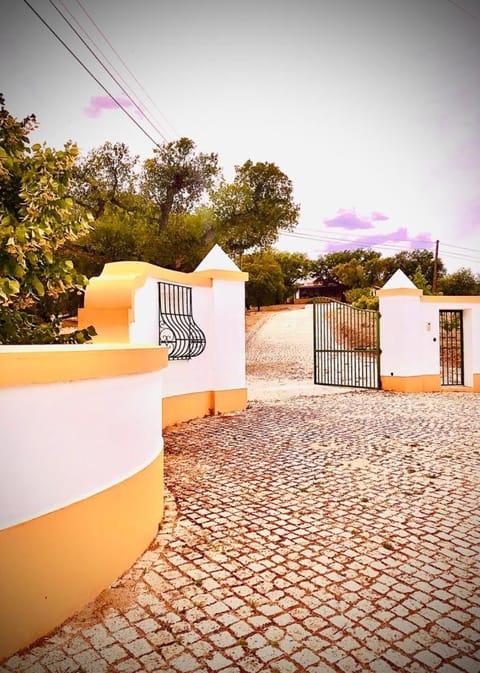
x=265 y=282
x=350 y=273
x=37 y=217
x=181 y=245
x=354 y=268
x=420 y=281
x=461 y=282
x=105 y=178
x=252 y=210
x=176 y=178
x=409 y=261
x=295 y=266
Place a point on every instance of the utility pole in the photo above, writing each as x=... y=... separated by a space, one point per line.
x=435 y=268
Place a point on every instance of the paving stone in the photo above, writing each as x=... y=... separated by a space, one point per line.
x=467 y=664
x=113 y=653
x=139 y=647
x=185 y=663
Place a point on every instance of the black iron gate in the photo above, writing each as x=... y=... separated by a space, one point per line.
x=451 y=348
x=346 y=345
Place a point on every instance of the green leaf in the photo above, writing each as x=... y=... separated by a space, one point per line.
x=38 y=286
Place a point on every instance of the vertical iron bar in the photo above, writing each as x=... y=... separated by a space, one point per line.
x=462 y=369
x=378 y=346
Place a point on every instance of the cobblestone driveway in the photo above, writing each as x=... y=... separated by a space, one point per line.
x=330 y=533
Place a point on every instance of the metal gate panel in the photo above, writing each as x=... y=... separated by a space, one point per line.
x=451 y=348
x=346 y=345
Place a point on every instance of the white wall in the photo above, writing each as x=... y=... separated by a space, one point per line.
x=229 y=334
x=219 y=311
x=409 y=335
x=144 y=328
x=62 y=442
x=401 y=338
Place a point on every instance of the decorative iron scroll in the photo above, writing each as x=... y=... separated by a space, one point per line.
x=177 y=328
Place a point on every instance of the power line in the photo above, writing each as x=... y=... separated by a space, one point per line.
x=100 y=31
x=91 y=74
x=105 y=67
x=327 y=236
x=139 y=103
x=464 y=9
x=387 y=246
x=460 y=247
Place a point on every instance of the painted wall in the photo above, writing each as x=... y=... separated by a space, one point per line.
x=81 y=477
x=81 y=471
x=122 y=304
x=410 y=337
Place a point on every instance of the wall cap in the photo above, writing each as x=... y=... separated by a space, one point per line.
x=451 y=299
x=399 y=292
x=26 y=365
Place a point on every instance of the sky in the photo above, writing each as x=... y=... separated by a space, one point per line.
x=371 y=107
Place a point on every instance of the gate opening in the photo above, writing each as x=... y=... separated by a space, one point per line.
x=451 y=348
x=346 y=345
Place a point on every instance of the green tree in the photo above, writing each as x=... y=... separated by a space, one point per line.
x=350 y=273
x=37 y=217
x=176 y=178
x=113 y=238
x=462 y=282
x=181 y=245
x=295 y=266
x=265 y=282
x=105 y=178
x=254 y=208
x=409 y=261
x=354 y=268
x=420 y=281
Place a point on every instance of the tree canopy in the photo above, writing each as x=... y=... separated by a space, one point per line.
x=177 y=177
x=105 y=178
x=37 y=217
x=460 y=282
x=252 y=209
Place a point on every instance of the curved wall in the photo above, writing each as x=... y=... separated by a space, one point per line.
x=81 y=480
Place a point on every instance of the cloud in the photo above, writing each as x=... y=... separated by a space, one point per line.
x=401 y=235
x=348 y=219
x=376 y=216
x=100 y=103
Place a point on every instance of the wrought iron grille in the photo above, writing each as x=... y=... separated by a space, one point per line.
x=451 y=348
x=346 y=345
x=177 y=327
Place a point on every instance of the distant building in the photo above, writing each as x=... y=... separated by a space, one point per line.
x=331 y=290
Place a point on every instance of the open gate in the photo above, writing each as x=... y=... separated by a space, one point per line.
x=346 y=345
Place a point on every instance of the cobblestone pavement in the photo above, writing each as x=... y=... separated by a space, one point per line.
x=336 y=533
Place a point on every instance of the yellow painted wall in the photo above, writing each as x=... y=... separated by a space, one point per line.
x=54 y=564
x=180 y=408
x=425 y=384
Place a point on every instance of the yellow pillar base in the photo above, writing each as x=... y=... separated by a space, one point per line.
x=180 y=408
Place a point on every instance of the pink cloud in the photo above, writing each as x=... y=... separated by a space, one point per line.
x=376 y=216
x=100 y=103
x=348 y=219
x=401 y=235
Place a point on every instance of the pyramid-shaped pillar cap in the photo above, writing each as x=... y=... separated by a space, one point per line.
x=399 y=281
x=217 y=260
